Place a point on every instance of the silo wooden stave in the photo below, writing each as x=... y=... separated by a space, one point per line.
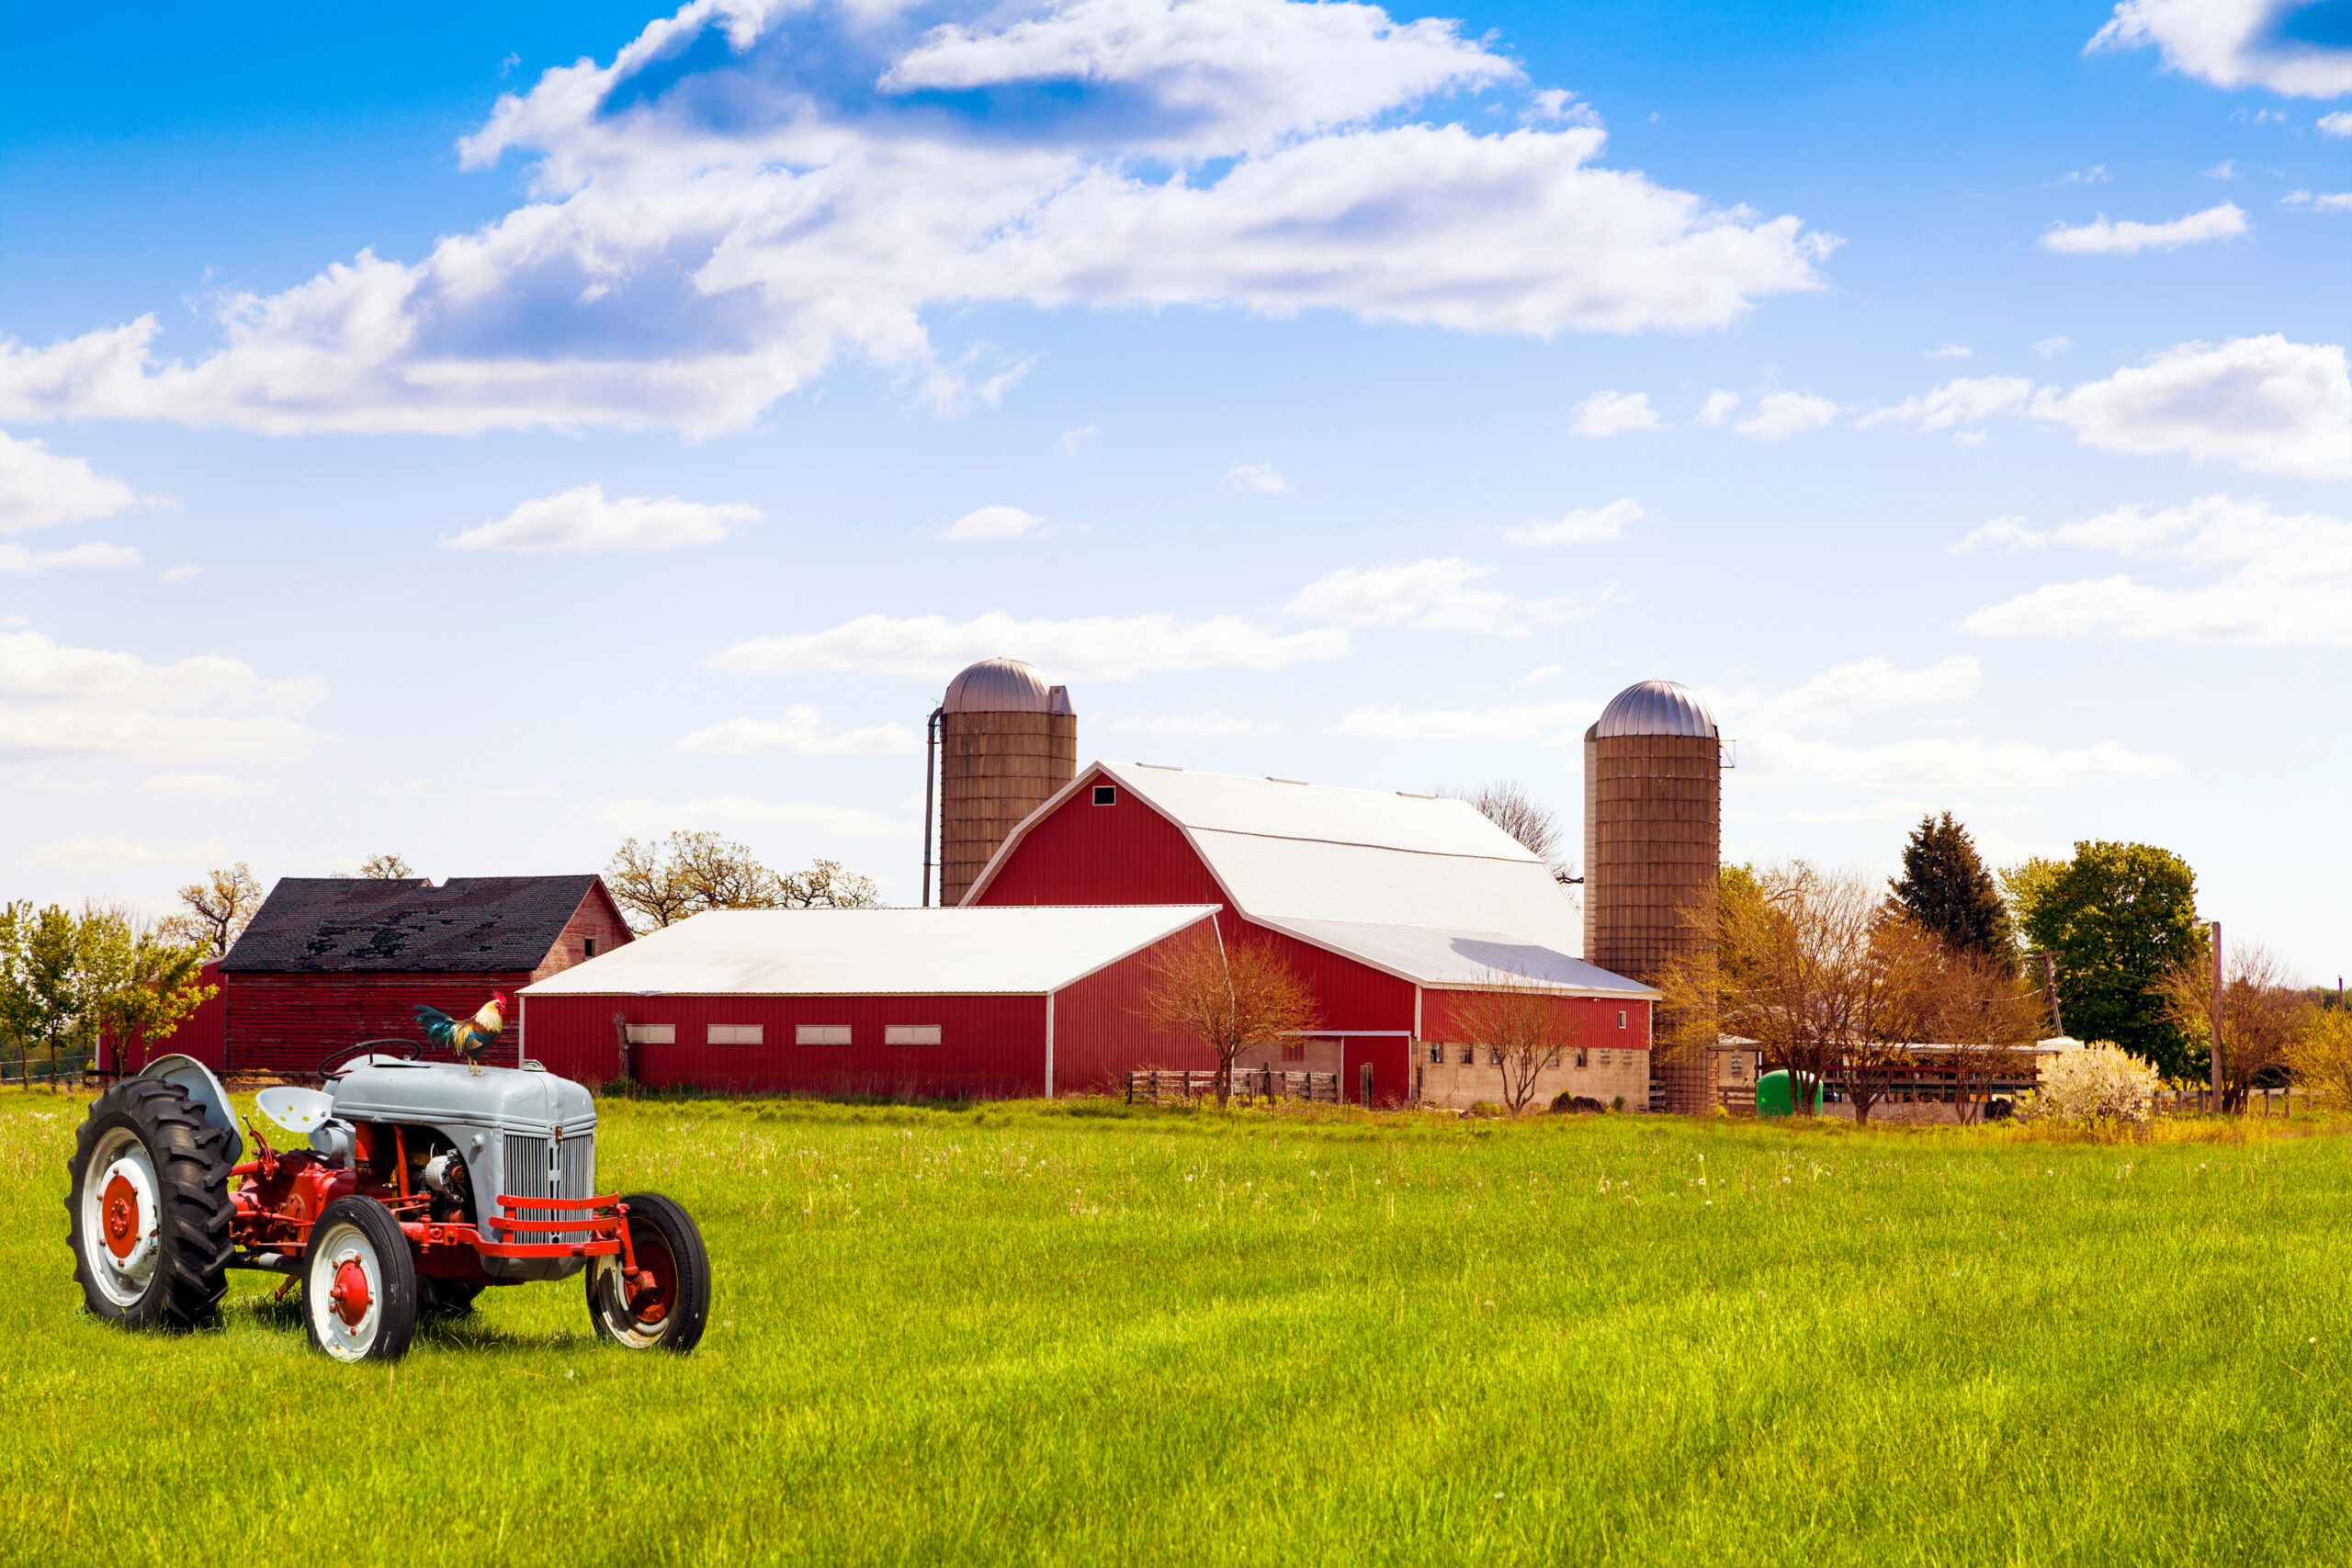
x=1007 y=742
x=1653 y=849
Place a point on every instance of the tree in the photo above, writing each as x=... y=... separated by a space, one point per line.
x=386 y=868
x=2320 y=1055
x=2116 y=918
x=1508 y=806
x=1985 y=1013
x=1236 y=997
x=1524 y=1025
x=136 y=985
x=63 y=978
x=685 y=874
x=1946 y=888
x=2263 y=1013
x=215 y=911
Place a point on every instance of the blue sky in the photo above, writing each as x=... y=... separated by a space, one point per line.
x=489 y=432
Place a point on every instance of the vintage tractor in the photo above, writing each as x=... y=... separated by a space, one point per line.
x=416 y=1185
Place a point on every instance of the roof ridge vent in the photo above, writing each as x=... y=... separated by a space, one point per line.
x=1418 y=794
x=1271 y=779
x=1163 y=767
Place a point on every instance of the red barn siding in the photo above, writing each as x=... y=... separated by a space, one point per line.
x=1122 y=853
x=1591 y=1021
x=990 y=1047
x=1101 y=1032
x=285 y=1022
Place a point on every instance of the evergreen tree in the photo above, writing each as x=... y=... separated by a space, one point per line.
x=2119 y=918
x=1946 y=888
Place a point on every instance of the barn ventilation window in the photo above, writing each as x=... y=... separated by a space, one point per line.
x=1107 y=795
x=1294 y=1050
x=910 y=1034
x=821 y=1035
x=1580 y=1061
x=587 y=947
x=735 y=1034
x=1621 y=1018
x=653 y=1034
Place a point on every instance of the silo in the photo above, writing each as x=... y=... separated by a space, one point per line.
x=1006 y=742
x=1653 y=845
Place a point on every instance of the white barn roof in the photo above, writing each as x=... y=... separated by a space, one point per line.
x=1007 y=950
x=1293 y=851
x=1451 y=959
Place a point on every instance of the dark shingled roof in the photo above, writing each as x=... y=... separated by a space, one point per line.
x=341 y=925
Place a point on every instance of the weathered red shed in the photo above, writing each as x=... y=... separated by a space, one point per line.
x=329 y=962
x=977 y=1004
x=1391 y=906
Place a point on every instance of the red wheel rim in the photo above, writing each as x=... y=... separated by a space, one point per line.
x=120 y=1209
x=654 y=1289
x=349 y=1297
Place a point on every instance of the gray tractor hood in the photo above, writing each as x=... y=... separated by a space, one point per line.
x=449 y=1095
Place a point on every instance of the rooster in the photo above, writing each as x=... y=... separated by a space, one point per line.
x=467 y=1040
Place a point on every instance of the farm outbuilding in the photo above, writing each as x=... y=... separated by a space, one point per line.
x=329 y=962
x=1395 y=908
x=963 y=1003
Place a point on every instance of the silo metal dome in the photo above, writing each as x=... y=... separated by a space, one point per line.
x=1656 y=708
x=1003 y=685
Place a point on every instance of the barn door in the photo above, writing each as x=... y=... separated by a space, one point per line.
x=1363 y=1085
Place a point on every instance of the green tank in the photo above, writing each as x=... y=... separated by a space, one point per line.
x=1773 y=1098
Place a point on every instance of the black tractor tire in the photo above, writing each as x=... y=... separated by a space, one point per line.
x=663 y=1236
x=362 y=1233
x=179 y=1280
x=447 y=1298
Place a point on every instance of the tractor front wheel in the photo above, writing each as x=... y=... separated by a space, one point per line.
x=359 y=1283
x=665 y=1302
x=149 y=1207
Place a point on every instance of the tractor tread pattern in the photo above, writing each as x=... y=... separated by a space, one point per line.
x=192 y=1162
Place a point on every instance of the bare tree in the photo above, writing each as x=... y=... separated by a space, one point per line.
x=825 y=886
x=1527 y=1028
x=1987 y=1013
x=386 y=868
x=1508 y=806
x=1236 y=997
x=685 y=874
x=216 y=911
x=2263 y=1010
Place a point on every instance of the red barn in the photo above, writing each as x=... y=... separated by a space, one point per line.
x=329 y=962
x=1392 y=906
x=915 y=1003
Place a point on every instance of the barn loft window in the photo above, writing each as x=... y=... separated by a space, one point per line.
x=821 y=1035
x=587 y=947
x=1107 y=795
x=735 y=1034
x=653 y=1034
x=910 y=1034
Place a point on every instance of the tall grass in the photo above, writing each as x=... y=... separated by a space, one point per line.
x=1079 y=1335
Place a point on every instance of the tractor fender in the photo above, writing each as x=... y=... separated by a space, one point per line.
x=195 y=1079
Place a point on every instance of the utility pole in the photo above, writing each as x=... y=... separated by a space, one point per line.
x=929 y=778
x=2050 y=990
x=2215 y=926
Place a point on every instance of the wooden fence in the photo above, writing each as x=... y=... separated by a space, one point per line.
x=1251 y=1083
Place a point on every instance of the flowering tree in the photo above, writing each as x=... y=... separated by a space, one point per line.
x=2098 y=1083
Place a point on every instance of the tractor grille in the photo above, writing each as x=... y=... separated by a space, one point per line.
x=570 y=1173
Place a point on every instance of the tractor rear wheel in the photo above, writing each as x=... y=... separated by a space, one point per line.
x=148 y=1207
x=359 y=1283
x=666 y=1303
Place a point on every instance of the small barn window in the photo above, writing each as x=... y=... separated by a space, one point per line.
x=735 y=1034
x=1107 y=795
x=1437 y=1056
x=1469 y=1055
x=1294 y=1050
x=910 y=1034
x=1581 y=1061
x=1604 y=1058
x=587 y=947
x=653 y=1034
x=821 y=1035
x=1494 y=1056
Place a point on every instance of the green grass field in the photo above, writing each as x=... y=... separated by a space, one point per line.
x=1045 y=1335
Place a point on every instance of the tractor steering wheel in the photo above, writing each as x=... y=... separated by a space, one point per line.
x=328 y=1063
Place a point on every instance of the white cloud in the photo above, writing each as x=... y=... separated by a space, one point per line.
x=801 y=732
x=1258 y=476
x=1433 y=595
x=1946 y=765
x=1952 y=350
x=1584 y=526
x=1073 y=440
x=204 y=786
x=1540 y=673
x=1552 y=724
x=1719 y=406
x=2283 y=579
x=2093 y=175
x=655 y=816
x=1873 y=686
x=110 y=851
x=2051 y=347
x=1615 y=413
x=1101 y=647
x=2227 y=169
x=748 y=194
x=40 y=490
x=2263 y=403
x=2103 y=238
x=2230 y=43
x=2009 y=533
x=1191 y=724
x=582 y=519
x=17 y=560
x=1962 y=404
x=992 y=522
x=179 y=574
x=2336 y=124
x=57 y=701
x=1779 y=415
x=2326 y=201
